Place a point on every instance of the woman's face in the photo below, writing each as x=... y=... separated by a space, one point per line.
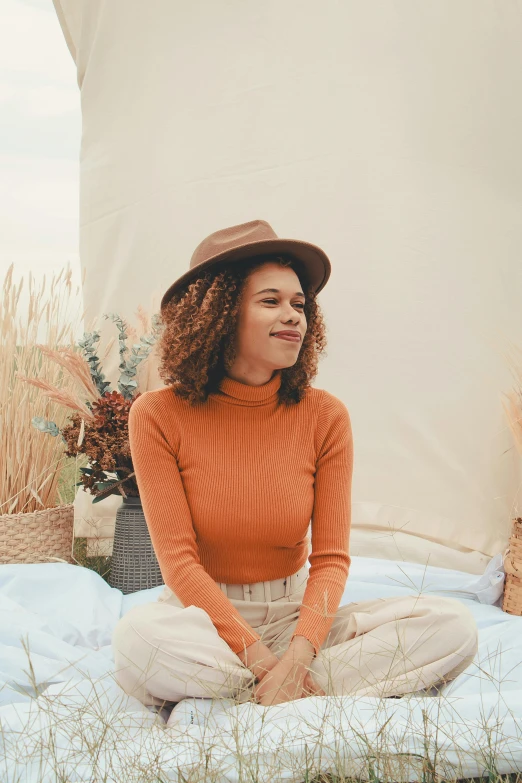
x=262 y=313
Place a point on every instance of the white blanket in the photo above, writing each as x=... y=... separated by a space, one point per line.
x=62 y=711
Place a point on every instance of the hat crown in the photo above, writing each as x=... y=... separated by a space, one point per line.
x=227 y=239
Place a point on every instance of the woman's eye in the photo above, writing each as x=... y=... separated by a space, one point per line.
x=299 y=304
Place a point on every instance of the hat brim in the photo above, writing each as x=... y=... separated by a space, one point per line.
x=315 y=261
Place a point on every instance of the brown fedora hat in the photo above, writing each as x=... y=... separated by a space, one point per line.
x=257 y=237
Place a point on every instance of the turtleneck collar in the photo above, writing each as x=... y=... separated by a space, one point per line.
x=238 y=393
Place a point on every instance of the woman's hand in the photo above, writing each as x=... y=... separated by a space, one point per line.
x=258 y=658
x=310 y=687
x=282 y=683
x=288 y=680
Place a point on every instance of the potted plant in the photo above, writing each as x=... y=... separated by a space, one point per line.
x=98 y=429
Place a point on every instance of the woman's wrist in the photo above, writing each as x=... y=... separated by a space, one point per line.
x=300 y=648
x=258 y=658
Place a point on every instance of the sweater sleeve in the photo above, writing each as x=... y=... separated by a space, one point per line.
x=331 y=522
x=169 y=521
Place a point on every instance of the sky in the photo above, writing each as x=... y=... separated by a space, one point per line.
x=40 y=136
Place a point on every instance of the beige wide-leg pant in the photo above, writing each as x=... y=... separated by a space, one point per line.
x=165 y=652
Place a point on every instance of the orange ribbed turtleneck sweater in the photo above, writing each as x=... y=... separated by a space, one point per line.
x=229 y=487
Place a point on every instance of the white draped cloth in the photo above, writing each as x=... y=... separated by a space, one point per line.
x=388 y=134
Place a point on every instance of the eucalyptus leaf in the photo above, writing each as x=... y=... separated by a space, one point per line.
x=43 y=425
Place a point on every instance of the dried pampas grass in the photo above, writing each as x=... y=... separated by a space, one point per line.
x=513 y=406
x=58 y=395
x=76 y=365
x=31 y=461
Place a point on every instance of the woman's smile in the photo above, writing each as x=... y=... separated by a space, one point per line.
x=293 y=338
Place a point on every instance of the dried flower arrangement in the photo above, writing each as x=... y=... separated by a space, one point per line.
x=99 y=426
x=512 y=599
x=513 y=407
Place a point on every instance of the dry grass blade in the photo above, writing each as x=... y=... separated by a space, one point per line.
x=514 y=417
x=58 y=395
x=513 y=408
x=76 y=366
x=143 y=319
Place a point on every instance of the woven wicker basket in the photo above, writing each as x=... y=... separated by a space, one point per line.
x=512 y=600
x=38 y=536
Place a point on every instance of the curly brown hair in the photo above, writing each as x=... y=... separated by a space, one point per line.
x=198 y=326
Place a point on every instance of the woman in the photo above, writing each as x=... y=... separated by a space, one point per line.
x=233 y=458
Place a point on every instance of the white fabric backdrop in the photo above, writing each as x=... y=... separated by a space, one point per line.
x=387 y=133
